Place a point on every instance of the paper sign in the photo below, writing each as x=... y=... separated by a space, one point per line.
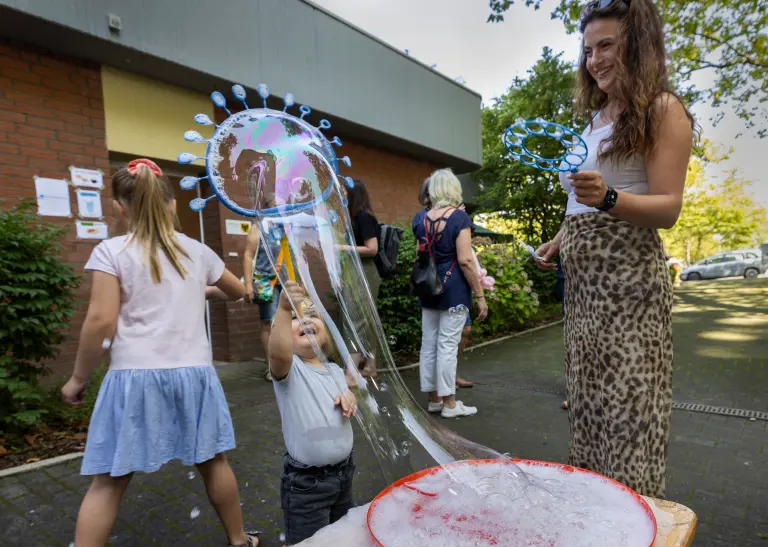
x=88 y=204
x=89 y=178
x=91 y=230
x=238 y=227
x=52 y=197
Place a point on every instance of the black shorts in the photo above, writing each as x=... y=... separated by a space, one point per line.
x=314 y=497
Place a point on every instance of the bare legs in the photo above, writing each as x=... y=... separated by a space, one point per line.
x=99 y=510
x=449 y=401
x=266 y=329
x=221 y=486
x=461 y=382
x=100 y=505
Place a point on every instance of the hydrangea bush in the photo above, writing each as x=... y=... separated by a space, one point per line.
x=519 y=291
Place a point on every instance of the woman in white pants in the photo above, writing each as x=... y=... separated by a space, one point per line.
x=445 y=230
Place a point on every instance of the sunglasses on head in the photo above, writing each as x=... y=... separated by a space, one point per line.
x=599 y=4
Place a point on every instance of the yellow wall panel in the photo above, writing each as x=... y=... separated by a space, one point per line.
x=145 y=117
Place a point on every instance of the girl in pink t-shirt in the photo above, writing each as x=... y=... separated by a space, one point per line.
x=161 y=399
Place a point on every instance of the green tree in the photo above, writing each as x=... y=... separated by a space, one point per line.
x=499 y=223
x=715 y=216
x=532 y=199
x=729 y=37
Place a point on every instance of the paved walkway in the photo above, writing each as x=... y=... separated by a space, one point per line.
x=717 y=464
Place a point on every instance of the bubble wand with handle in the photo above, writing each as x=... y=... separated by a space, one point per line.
x=288 y=261
x=575 y=154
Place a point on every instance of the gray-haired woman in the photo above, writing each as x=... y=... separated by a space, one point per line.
x=427 y=204
x=447 y=228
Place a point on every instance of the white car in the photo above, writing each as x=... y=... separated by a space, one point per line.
x=748 y=263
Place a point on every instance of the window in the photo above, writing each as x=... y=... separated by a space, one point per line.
x=751 y=256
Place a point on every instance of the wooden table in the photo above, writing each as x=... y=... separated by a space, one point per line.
x=676 y=528
x=676 y=523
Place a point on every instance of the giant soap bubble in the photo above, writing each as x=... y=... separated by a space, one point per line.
x=283 y=172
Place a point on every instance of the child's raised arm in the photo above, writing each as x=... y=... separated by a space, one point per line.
x=281 y=338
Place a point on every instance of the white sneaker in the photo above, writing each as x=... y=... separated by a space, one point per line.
x=435 y=407
x=458 y=410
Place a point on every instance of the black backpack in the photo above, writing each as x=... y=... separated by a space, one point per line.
x=389 y=246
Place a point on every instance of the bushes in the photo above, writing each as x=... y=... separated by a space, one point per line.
x=400 y=314
x=37 y=299
x=543 y=281
x=60 y=415
x=514 y=298
x=520 y=288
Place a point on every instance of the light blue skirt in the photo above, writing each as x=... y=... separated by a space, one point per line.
x=144 y=418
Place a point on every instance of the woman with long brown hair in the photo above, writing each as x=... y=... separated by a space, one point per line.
x=618 y=294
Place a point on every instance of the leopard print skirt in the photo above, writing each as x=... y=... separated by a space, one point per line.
x=618 y=350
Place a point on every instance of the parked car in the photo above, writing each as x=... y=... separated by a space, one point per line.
x=747 y=263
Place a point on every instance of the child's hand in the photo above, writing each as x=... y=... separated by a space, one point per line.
x=348 y=403
x=73 y=390
x=292 y=292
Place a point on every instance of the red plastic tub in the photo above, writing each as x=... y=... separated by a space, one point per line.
x=471 y=531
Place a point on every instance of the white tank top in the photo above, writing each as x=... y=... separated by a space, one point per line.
x=628 y=176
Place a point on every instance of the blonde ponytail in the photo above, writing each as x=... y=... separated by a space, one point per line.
x=153 y=222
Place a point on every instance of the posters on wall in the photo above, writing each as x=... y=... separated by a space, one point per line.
x=88 y=204
x=238 y=227
x=91 y=230
x=53 y=200
x=52 y=197
x=87 y=178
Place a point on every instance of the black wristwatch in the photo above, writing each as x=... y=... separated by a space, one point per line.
x=609 y=201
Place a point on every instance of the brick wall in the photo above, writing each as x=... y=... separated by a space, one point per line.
x=51 y=117
x=393 y=181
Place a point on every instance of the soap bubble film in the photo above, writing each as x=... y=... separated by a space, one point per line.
x=283 y=172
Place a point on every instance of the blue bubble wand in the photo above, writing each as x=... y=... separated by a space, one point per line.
x=575 y=154
x=288 y=139
x=518 y=133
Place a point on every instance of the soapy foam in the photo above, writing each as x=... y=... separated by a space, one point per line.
x=495 y=504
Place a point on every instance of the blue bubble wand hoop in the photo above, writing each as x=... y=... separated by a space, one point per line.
x=575 y=154
x=278 y=168
x=518 y=133
x=260 y=151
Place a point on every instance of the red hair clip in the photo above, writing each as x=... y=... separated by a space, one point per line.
x=149 y=163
